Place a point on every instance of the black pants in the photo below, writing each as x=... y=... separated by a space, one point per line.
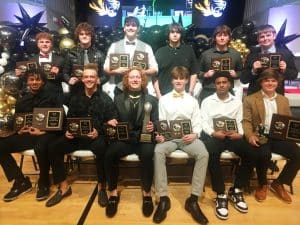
x=263 y=154
x=63 y=146
x=19 y=143
x=240 y=147
x=116 y=150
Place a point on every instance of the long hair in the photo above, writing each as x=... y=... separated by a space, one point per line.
x=143 y=76
x=84 y=27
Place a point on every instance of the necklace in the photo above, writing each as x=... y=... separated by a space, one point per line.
x=134 y=97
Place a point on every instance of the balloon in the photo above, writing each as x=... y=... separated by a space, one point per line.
x=1 y=69
x=248 y=26
x=30 y=44
x=5 y=55
x=237 y=32
x=66 y=43
x=63 y=31
x=8 y=37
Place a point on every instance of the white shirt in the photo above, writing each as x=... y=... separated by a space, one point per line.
x=49 y=59
x=180 y=108
x=270 y=108
x=213 y=107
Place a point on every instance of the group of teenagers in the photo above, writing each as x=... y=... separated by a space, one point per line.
x=114 y=95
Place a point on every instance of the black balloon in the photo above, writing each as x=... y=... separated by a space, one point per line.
x=237 y=32
x=252 y=37
x=30 y=44
x=8 y=37
x=248 y=26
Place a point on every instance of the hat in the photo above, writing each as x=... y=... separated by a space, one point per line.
x=269 y=73
x=219 y=73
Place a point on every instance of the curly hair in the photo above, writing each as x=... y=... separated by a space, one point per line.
x=44 y=35
x=84 y=27
x=143 y=76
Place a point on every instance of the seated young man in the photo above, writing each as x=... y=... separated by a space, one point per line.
x=29 y=137
x=179 y=105
x=258 y=109
x=89 y=102
x=131 y=108
x=217 y=139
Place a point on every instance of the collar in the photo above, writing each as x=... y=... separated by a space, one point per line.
x=265 y=96
x=174 y=48
x=127 y=40
x=176 y=94
x=221 y=52
x=216 y=98
x=45 y=55
x=269 y=50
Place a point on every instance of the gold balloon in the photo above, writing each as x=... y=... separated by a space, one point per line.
x=3 y=107
x=243 y=45
x=11 y=100
x=246 y=50
x=66 y=43
x=63 y=31
x=2 y=92
x=238 y=41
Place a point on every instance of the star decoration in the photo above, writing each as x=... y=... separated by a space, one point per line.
x=27 y=22
x=282 y=40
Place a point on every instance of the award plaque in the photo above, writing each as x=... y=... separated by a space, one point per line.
x=46 y=67
x=285 y=128
x=140 y=60
x=164 y=129
x=26 y=65
x=22 y=120
x=77 y=71
x=179 y=128
x=79 y=126
x=118 y=60
x=221 y=64
x=48 y=119
x=145 y=135
x=270 y=60
x=225 y=124
x=118 y=133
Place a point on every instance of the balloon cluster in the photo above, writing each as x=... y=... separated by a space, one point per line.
x=8 y=98
x=246 y=32
x=240 y=47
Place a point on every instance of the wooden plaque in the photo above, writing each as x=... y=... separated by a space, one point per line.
x=119 y=60
x=140 y=60
x=46 y=67
x=79 y=126
x=26 y=65
x=221 y=64
x=225 y=124
x=179 y=128
x=22 y=120
x=77 y=71
x=270 y=60
x=164 y=129
x=118 y=133
x=48 y=119
x=285 y=128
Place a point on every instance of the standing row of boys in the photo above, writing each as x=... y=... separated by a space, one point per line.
x=177 y=72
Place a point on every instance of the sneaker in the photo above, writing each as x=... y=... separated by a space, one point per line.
x=236 y=197
x=42 y=193
x=18 y=188
x=222 y=207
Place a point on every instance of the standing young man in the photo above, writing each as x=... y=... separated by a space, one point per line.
x=129 y=45
x=221 y=40
x=219 y=105
x=29 y=137
x=89 y=102
x=253 y=66
x=179 y=105
x=174 y=54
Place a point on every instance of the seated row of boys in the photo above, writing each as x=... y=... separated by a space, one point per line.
x=204 y=144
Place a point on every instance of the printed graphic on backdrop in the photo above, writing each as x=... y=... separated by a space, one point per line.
x=103 y=13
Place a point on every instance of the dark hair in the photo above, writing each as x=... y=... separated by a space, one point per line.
x=265 y=28
x=43 y=35
x=218 y=74
x=132 y=20
x=180 y=72
x=221 y=29
x=84 y=27
x=175 y=27
x=35 y=72
x=143 y=76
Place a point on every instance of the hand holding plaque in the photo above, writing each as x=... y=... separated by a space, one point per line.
x=164 y=130
x=225 y=124
x=221 y=64
x=23 y=66
x=270 y=60
x=46 y=67
x=117 y=133
x=180 y=128
x=140 y=60
x=145 y=135
x=77 y=71
x=22 y=120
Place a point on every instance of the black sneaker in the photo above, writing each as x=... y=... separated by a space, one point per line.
x=18 y=188
x=42 y=193
x=236 y=197
x=222 y=207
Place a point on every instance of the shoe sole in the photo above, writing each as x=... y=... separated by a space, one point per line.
x=237 y=208
x=11 y=199
x=288 y=202
x=221 y=217
x=42 y=198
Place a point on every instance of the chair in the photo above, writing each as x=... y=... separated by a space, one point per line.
x=76 y=157
x=28 y=152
